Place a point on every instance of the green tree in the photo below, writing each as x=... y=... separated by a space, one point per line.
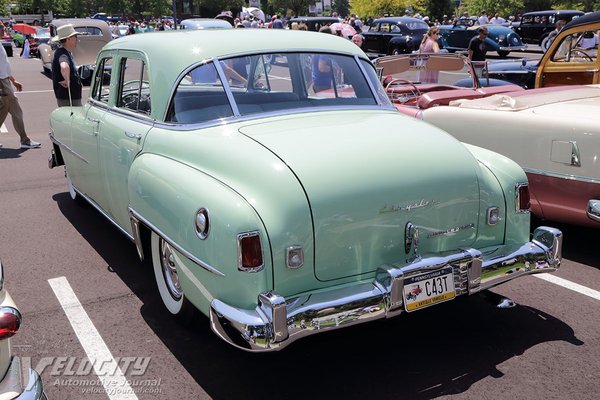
x=297 y=7
x=586 y=5
x=502 y=7
x=342 y=7
x=435 y=8
x=377 y=8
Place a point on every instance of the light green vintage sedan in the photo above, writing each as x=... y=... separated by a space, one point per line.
x=275 y=188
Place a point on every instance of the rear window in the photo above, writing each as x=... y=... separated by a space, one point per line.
x=261 y=84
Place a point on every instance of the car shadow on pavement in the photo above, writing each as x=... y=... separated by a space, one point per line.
x=439 y=351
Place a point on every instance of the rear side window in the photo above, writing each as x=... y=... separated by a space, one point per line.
x=200 y=96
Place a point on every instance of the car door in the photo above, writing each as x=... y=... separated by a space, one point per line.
x=572 y=59
x=84 y=170
x=371 y=39
x=123 y=131
x=385 y=34
x=459 y=37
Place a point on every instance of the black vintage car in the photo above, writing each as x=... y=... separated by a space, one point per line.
x=536 y=26
x=501 y=39
x=394 y=35
x=314 y=23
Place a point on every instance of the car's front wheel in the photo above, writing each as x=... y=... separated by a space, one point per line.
x=165 y=263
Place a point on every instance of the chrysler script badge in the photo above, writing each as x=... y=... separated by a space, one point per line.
x=407 y=207
x=411 y=238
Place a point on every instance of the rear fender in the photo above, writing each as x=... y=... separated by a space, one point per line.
x=165 y=196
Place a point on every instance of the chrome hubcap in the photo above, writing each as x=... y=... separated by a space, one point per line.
x=167 y=262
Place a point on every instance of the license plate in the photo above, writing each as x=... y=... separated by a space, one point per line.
x=425 y=290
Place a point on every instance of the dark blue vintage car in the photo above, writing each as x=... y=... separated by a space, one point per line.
x=501 y=39
x=393 y=35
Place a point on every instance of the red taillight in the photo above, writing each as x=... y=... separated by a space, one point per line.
x=251 y=257
x=523 y=199
x=10 y=321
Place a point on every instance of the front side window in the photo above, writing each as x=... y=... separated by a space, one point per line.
x=101 y=88
x=134 y=87
x=581 y=47
x=273 y=82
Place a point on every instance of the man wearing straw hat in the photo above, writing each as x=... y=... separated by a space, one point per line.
x=66 y=82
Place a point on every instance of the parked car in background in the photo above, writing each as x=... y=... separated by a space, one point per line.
x=536 y=26
x=105 y=17
x=42 y=36
x=572 y=58
x=501 y=39
x=13 y=383
x=415 y=82
x=200 y=158
x=204 y=23
x=93 y=35
x=314 y=23
x=562 y=123
x=7 y=42
x=394 y=35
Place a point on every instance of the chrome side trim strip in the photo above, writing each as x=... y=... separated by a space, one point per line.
x=67 y=148
x=276 y=321
x=137 y=218
x=542 y=172
x=104 y=213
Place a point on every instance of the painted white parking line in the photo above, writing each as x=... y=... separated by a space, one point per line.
x=105 y=366
x=3 y=129
x=570 y=285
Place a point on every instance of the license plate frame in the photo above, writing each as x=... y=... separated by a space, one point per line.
x=429 y=288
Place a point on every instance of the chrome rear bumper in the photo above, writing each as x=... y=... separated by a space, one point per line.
x=277 y=322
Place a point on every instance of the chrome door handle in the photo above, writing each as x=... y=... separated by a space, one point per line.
x=131 y=135
x=94 y=120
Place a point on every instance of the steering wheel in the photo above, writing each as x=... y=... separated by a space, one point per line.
x=416 y=93
x=583 y=53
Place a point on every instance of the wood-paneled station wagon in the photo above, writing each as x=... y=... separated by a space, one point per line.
x=276 y=189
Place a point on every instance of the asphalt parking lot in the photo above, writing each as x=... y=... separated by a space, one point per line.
x=90 y=306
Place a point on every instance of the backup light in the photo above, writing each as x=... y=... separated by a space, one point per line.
x=10 y=321
x=294 y=257
x=250 y=255
x=493 y=216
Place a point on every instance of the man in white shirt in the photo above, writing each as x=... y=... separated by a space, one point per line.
x=497 y=20
x=10 y=104
x=483 y=19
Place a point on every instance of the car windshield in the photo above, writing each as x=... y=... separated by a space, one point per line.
x=273 y=82
x=427 y=68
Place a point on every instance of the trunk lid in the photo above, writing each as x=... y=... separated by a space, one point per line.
x=366 y=175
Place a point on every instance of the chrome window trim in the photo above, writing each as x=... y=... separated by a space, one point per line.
x=580 y=178
x=239 y=247
x=227 y=88
x=138 y=217
x=249 y=117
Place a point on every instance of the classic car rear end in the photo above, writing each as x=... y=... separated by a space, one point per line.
x=252 y=176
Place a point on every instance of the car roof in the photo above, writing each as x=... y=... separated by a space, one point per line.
x=173 y=51
x=79 y=22
x=199 y=23
x=589 y=18
x=552 y=12
x=398 y=20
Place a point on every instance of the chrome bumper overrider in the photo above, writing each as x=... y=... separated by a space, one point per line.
x=277 y=322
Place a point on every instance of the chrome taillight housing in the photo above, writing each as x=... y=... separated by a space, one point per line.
x=250 y=254
x=523 y=200
x=10 y=321
x=493 y=216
